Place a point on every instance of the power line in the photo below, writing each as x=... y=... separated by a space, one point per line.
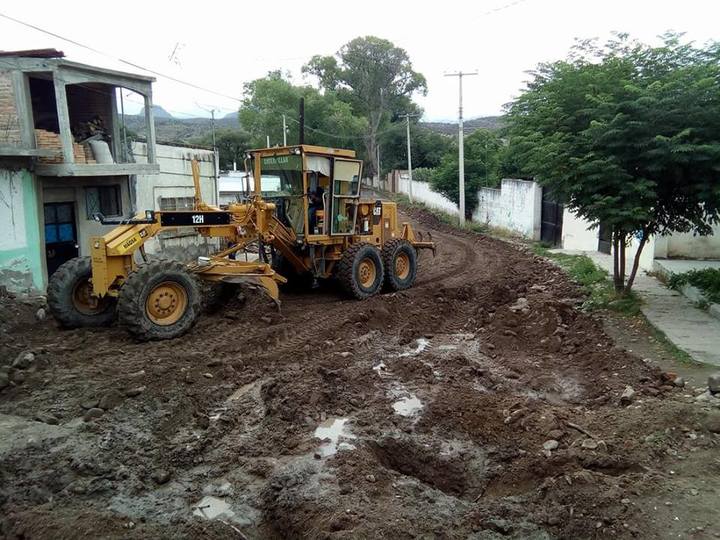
x=10 y=65
x=117 y=59
x=502 y=8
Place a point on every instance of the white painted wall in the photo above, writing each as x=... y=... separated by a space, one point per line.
x=421 y=192
x=578 y=235
x=175 y=175
x=175 y=180
x=516 y=206
x=687 y=246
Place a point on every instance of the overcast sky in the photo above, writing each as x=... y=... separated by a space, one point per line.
x=221 y=45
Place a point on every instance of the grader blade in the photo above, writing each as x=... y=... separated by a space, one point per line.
x=265 y=284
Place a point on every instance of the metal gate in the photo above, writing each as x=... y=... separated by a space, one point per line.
x=551 y=220
x=605 y=239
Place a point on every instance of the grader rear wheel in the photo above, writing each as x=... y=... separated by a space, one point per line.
x=360 y=271
x=159 y=300
x=71 y=300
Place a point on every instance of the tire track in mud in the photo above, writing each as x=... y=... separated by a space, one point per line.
x=459 y=260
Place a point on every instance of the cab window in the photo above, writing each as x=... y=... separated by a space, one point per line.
x=346 y=190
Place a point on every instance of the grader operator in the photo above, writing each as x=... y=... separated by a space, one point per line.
x=303 y=212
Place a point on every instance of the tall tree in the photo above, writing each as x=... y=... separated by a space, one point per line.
x=628 y=135
x=231 y=145
x=328 y=120
x=376 y=78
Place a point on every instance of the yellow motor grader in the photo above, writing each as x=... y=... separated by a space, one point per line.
x=302 y=210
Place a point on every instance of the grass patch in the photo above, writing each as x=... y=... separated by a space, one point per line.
x=594 y=281
x=707 y=280
x=669 y=346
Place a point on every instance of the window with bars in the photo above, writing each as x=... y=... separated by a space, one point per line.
x=103 y=200
x=177 y=203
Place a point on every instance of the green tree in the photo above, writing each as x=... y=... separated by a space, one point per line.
x=628 y=136
x=428 y=147
x=231 y=145
x=482 y=168
x=375 y=78
x=328 y=120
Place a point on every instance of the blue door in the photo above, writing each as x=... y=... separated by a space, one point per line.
x=60 y=234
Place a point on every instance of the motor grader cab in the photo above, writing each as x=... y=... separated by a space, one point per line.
x=301 y=217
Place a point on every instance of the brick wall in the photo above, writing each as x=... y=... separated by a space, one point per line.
x=9 y=123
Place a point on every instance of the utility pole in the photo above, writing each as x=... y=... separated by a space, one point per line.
x=409 y=153
x=380 y=186
x=284 y=132
x=212 y=115
x=267 y=138
x=461 y=143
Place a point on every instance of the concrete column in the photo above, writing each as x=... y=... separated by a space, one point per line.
x=118 y=149
x=537 y=210
x=63 y=119
x=21 y=87
x=150 y=127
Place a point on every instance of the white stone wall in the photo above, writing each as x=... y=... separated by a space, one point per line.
x=421 y=192
x=516 y=206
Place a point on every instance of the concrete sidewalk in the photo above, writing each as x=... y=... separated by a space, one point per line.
x=689 y=328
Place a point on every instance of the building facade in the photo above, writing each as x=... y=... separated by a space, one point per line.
x=65 y=156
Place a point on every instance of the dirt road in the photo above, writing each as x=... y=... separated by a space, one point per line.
x=481 y=403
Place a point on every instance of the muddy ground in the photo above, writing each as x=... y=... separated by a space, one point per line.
x=482 y=403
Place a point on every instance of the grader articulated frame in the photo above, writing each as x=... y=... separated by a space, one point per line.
x=312 y=221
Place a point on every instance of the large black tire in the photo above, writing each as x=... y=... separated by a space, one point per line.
x=295 y=280
x=400 y=260
x=159 y=300
x=360 y=271
x=216 y=295
x=70 y=296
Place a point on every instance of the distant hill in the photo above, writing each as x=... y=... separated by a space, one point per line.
x=182 y=130
x=470 y=125
x=158 y=112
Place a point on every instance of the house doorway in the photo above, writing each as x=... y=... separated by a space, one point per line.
x=60 y=234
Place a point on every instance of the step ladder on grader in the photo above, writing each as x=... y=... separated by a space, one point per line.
x=301 y=209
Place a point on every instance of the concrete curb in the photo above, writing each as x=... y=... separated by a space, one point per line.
x=696 y=295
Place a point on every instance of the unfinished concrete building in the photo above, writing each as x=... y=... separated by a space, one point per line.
x=65 y=156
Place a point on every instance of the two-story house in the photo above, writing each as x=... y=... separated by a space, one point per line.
x=65 y=157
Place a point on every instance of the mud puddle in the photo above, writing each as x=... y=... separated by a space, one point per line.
x=332 y=432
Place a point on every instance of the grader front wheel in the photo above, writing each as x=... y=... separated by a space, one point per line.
x=159 y=300
x=400 y=259
x=71 y=299
x=360 y=271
